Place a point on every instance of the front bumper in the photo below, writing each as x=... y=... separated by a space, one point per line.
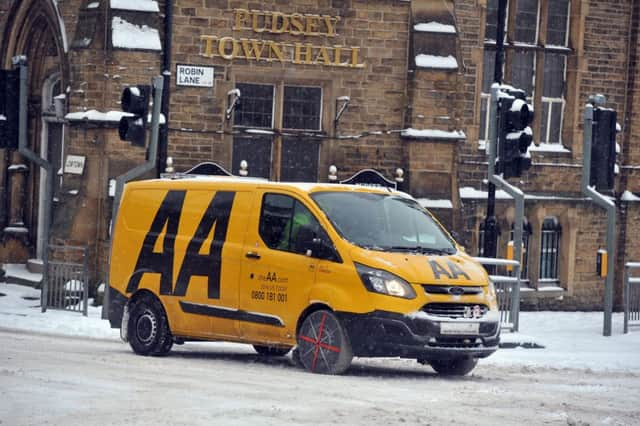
x=382 y=333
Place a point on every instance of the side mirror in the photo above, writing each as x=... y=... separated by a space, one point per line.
x=305 y=240
x=309 y=243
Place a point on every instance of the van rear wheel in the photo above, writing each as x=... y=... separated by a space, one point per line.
x=270 y=350
x=148 y=327
x=323 y=344
x=453 y=367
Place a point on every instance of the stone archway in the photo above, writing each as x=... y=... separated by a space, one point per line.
x=34 y=29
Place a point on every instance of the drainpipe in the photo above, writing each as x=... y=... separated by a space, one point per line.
x=166 y=93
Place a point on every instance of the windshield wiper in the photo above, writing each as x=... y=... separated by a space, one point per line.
x=423 y=250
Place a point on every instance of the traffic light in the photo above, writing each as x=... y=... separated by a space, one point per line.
x=514 y=133
x=9 y=107
x=603 y=149
x=135 y=101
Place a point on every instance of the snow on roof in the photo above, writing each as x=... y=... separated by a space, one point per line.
x=435 y=204
x=130 y=36
x=433 y=134
x=548 y=147
x=433 y=61
x=434 y=27
x=629 y=196
x=109 y=116
x=138 y=5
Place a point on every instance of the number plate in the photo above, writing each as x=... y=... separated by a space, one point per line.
x=459 y=327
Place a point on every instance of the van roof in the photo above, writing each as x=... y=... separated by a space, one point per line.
x=197 y=181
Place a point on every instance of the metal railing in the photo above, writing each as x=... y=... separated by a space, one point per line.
x=508 y=299
x=67 y=284
x=631 y=296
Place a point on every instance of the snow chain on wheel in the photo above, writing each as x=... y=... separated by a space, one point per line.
x=148 y=328
x=323 y=344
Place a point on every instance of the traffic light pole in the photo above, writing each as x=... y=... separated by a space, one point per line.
x=517 y=195
x=491 y=223
x=29 y=154
x=606 y=204
x=150 y=164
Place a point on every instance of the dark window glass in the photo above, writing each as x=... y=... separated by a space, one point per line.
x=281 y=221
x=523 y=71
x=491 y=25
x=489 y=69
x=299 y=159
x=484 y=107
x=553 y=75
x=256 y=106
x=302 y=107
x=526 y=21
x=544 y=122
x=256 y=151
x=557 y=21
x=549 y=249
x=556 y=122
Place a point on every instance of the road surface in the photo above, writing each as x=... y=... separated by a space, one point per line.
x=65 y=381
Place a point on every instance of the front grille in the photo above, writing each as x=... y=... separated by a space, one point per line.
x=454 y=310
x=451 y=289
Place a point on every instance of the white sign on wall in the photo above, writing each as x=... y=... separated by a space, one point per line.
x=74 y=164
x=193 y=75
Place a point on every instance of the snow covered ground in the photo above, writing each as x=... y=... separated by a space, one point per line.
x=61 y=368
x=570 y=339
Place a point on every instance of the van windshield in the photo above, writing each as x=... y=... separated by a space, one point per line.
x=385 y=222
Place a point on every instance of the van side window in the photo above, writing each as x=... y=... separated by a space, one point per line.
x=281 y=220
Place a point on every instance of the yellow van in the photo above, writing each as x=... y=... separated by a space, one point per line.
x=334 y=271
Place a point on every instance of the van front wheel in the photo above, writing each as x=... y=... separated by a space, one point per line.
x=323 y=344
x=148 y=327
x=453 y=367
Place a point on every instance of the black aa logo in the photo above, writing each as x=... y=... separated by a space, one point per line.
x=194 y=263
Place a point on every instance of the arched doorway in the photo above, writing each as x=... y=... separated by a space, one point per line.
x=34 y=30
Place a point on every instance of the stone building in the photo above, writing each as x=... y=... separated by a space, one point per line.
x=382 y=84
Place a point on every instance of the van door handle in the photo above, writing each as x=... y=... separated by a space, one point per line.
x=252 y=255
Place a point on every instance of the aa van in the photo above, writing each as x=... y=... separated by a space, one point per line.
x=330 y=271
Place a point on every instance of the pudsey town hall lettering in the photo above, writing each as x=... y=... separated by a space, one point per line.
x=276 y=23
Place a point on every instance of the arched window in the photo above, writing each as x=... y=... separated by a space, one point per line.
x=526 y=233
x=549 y=249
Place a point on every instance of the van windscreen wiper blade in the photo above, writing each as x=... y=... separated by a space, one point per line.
x=423 y=250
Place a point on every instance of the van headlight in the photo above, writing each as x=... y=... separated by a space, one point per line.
x=383 y=282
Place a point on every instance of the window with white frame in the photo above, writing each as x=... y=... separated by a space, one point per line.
x=281 y=141
x=536 y=49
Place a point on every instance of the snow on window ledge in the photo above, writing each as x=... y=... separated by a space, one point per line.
x=436 y=62
x=137 y=5
x=629 y=196
x=435 y=204
x=549 y=147
x=434 y=27
x=106 y=117
x=126 y=35
x=433 y=134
